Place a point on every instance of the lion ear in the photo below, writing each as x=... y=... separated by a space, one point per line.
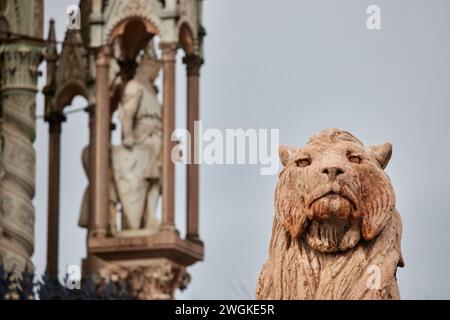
x=383 y=153
x=377 y=190
x=285 y=153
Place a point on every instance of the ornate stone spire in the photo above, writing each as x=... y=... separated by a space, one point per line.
x=51 y=58
x=51 y=53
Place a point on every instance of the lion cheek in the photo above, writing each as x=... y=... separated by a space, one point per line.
x=296 y=228
x=377 y=208
x=292 y=218
x=298 y=222
x=372 y=224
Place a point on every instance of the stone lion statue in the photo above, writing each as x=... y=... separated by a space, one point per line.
x=336 y=233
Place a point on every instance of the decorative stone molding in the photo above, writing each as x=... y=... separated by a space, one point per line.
x=155 y=279
x=193 y=64
x=169 y=51
x=121 y=10
x=20 y=66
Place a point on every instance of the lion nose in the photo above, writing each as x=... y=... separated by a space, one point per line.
x=332 y=172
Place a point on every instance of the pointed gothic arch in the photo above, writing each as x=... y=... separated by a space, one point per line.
x=133 y=35
x=69 y=74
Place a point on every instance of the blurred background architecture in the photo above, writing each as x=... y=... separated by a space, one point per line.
x=111 y=56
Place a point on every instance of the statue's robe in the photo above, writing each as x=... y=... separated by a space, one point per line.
x=133 y=167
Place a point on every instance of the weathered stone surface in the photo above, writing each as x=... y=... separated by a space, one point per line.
x=336 y=232
x=83 y=220
x=155 y=279
x=137 y=162
x=19 y=71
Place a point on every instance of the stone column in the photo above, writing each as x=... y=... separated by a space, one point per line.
x=101 y=144
x=19 y=75
x=54 y=156
x=193 y=64
x=169 y=51
x=91 y=111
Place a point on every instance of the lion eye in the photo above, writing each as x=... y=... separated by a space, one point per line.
x=354 y=159
x=303 y=162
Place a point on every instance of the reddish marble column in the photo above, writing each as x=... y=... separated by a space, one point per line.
x=54 y=156
x=101 y=144
x=169 y=51
x=193 y=64
x=90 y=172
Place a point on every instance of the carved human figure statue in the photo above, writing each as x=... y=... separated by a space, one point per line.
x=336 y=233
x=136 y=163
x=83 y=220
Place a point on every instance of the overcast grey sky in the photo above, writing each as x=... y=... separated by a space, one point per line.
x=299 y=66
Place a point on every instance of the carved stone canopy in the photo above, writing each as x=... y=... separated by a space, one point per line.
x=71 y=72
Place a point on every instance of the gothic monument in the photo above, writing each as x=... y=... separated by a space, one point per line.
x=112 y=59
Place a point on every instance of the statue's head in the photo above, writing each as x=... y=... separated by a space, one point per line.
x=334 y=191
x=149 y=68
x=127 y=68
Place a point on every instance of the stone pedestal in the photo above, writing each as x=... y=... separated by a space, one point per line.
x=153 y=265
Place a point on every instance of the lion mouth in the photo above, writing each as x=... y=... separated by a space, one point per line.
x=332 y=195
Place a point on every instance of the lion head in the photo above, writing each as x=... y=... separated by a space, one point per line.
x=333 y=191
x=335 y=220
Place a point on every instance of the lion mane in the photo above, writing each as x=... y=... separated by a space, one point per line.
x=336 y=233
